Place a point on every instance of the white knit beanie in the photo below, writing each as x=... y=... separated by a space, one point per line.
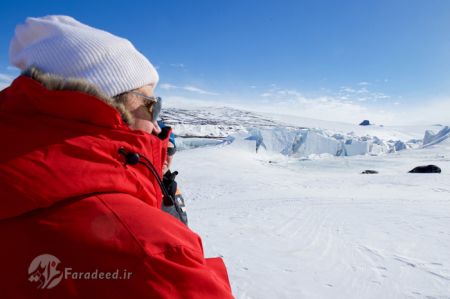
x=63 y=46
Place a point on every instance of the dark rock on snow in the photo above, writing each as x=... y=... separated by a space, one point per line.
x=426 y=169
x=365 y=123
x=368 y=171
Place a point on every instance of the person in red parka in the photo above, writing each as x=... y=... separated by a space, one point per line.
x=80 y=175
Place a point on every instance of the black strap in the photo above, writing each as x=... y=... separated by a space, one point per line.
x=133 y=158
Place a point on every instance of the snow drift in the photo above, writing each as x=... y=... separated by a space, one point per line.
x=431 y=138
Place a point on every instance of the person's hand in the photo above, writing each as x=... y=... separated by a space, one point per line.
x=170 y=183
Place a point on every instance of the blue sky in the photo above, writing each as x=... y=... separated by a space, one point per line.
x=340 y=60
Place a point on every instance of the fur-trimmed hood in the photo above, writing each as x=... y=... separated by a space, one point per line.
x=68 y=140
x=54 y=82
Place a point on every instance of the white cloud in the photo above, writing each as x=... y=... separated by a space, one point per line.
x=5 y=80
x=348 y=105
x=168 y=86
x=292 y=102
x=13 y=68
x=361 y=93
x=6 y=77
x=352 y=105
x=190 y=88
x=178 y=65
x=198 y=90
x=363 y=83
x=281 y=93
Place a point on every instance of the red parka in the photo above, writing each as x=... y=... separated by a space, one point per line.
x=66 y=193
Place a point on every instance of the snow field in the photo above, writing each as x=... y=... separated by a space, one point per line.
x=317 y=228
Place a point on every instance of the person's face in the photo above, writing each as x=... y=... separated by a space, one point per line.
x=142 y=118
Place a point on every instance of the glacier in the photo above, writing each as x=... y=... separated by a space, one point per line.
x=214 y=126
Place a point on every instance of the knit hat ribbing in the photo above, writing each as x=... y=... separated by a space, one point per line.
x=63 y=46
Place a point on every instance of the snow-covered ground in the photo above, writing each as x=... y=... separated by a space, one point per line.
x=291 y=226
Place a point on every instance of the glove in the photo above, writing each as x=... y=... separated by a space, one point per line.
x=171 y=185
x=164 y=133
x=174 y=205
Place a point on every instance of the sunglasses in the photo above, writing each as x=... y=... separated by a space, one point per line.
x=153 y=104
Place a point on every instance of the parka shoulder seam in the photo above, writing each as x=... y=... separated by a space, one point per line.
x=141 y=247
x=123 y=223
